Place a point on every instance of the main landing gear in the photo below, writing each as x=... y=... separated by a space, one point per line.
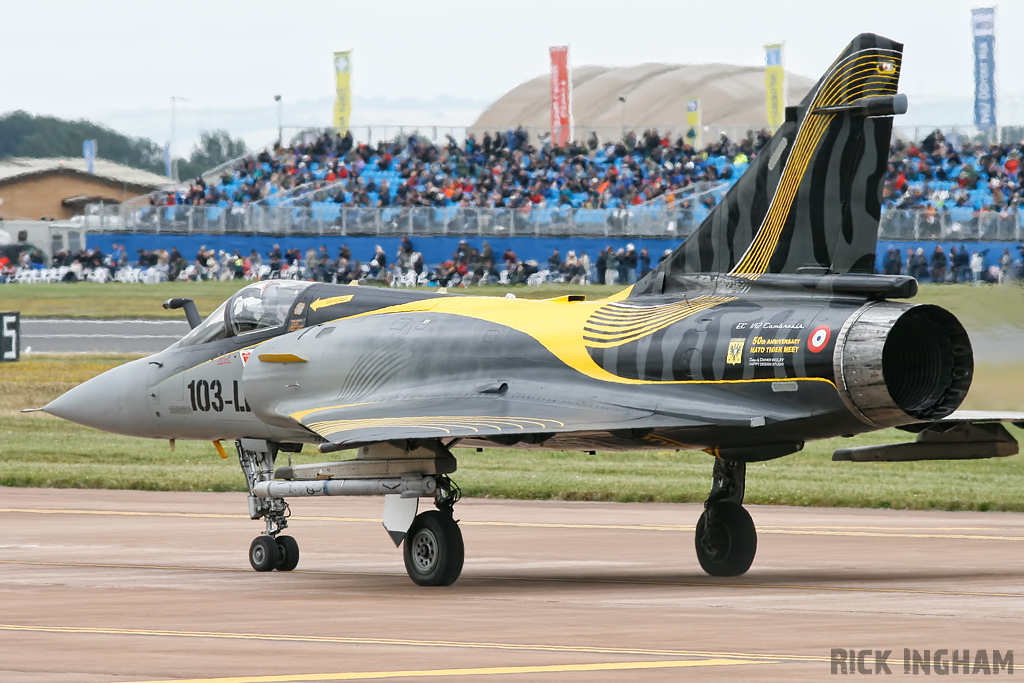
x=726 y=539
x=434 y=550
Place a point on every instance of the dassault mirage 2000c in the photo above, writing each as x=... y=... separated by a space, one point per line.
x=764 y=329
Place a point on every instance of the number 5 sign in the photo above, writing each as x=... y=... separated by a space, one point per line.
x=10 y=336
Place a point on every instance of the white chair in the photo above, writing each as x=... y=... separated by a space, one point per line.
x=537 y=279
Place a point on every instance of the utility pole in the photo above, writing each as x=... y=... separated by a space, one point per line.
x=174 y=124
x=280 y=118
x=622 y=100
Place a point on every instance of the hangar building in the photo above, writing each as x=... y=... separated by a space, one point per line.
x=732 y=98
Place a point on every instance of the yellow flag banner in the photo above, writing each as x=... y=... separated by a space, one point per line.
x=693 y=122
x=343 y=100
x=775 y=86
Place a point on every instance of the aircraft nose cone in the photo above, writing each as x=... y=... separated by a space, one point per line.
x=113 y=402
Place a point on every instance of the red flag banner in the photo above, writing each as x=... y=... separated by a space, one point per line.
x=561 y=112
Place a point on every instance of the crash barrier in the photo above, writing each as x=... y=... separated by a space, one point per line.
x=10 y=336
x=329 y=219
x=955 y=224
x=326 y=219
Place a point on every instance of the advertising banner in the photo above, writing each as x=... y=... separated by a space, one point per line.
x=983 y=27
x=693 y=122
x=561 y=93
x=775 y=85
x=89 y=152
x=343 y=88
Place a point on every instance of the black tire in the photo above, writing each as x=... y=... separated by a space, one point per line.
x=733 y=541
x=263 y=554
x=433 y=550
x=287 y=553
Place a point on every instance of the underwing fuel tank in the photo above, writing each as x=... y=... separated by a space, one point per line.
x=899 y=363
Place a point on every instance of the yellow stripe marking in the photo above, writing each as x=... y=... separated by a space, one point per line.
x=743 y=657
x=280 y=358
x=297 y=416
x=479 y=671
x=440 y=423
x=557 y=327
x=332 y=301
x=839 y=88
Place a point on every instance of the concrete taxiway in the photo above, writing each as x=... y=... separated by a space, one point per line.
x=138 y=586
x=65 y=335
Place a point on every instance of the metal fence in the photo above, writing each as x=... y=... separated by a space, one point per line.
x=915 y=224
x=333 y=219
x=636 y=221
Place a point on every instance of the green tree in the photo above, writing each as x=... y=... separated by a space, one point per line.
x=26 y=135
x=213 y=149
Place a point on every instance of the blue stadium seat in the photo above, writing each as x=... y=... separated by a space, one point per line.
x=540 y=215
x=590 y=216
x=961 y=214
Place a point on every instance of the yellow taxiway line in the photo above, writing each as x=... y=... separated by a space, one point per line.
x=477 y=671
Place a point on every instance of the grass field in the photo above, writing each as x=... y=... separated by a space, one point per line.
x=978 y=307
x=118 y=300
x=39 y=450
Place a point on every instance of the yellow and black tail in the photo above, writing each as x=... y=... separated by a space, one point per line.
x=811 y=199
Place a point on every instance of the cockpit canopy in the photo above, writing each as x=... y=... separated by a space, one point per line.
x=259 y=306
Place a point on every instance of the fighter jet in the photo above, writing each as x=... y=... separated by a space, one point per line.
x=763 y=330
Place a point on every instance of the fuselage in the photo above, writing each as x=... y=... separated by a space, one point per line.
x=753 y=366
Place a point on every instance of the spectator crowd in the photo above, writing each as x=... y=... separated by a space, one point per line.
x=508 y=170
x=468 y=265
x=504 y=170
x=942 y=174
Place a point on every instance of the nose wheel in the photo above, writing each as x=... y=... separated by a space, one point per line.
x=433 y=550
x=263 y=553
x=267 y=553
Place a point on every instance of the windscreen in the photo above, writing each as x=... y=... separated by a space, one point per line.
x=262 y=305
x=211 y=329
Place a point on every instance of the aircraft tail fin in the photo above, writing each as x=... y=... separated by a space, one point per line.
x=811 y=199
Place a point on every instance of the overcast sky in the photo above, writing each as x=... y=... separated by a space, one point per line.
x=119 y=63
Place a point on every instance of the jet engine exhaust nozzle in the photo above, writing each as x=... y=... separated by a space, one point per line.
x=901 y=363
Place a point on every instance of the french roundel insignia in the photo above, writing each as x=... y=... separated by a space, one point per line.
x=819 y=338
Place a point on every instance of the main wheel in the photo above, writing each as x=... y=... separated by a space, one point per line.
x=731 y=542
x=434 y=551
x=287 y=553
x=263 y=554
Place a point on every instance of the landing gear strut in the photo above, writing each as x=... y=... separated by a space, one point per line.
x=401 y=472
x=726 y=540
x=269 y=551
x=434 y=551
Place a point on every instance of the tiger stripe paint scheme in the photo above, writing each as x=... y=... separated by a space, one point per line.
x=711 y=350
